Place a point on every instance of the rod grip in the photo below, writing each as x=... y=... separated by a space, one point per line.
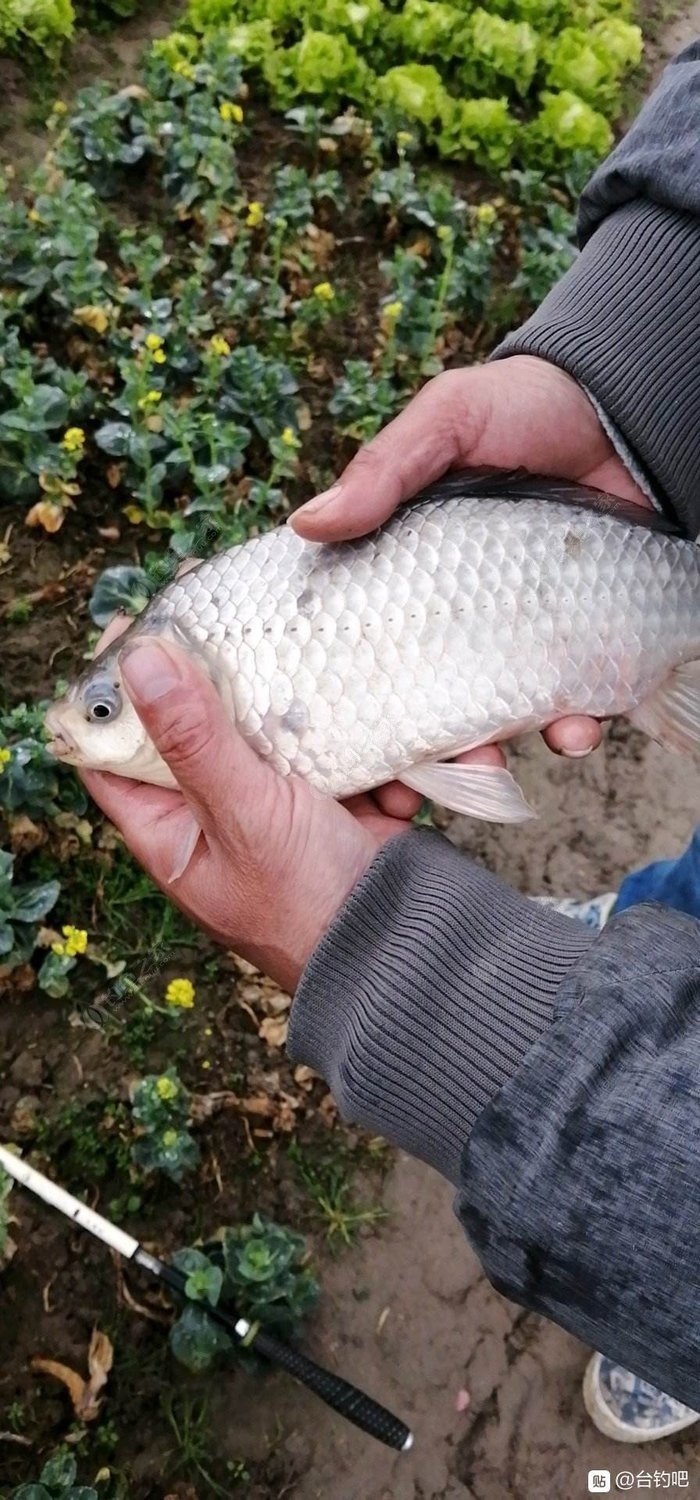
x=336 y=1392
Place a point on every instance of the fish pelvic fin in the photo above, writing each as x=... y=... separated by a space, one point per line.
x=671 y=716
x=187 y=841
x=487 y=792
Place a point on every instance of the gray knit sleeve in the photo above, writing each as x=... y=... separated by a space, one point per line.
x=426 y=994
x=625 y=320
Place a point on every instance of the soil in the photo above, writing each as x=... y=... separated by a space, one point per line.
x=492 y=1393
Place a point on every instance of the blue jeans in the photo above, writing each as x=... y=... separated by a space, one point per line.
x=673 y=882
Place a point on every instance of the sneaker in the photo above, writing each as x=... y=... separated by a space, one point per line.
x=595 y=913
x=628 y=1409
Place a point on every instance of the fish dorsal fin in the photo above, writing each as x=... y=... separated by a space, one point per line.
x=518 y=484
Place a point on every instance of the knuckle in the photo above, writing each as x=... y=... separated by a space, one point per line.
x=185 y=735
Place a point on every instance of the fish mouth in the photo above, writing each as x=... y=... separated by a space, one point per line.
x=61 y=745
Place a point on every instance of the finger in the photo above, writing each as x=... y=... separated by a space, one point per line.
x=398 y=801
x=221 y=778
x=437 y=430
x=575 y=736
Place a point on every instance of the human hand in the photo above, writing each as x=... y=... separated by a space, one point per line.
x=520 y=413
x=274 y=860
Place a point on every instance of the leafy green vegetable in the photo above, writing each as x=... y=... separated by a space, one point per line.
x=592 y=63
x=320 y=65
x=499 y=49
x=428 y=27
x=566 y=124
x=414 y=91
x=262 y=1269
x=46 y=23
x=481 y=128
x=160 y=1106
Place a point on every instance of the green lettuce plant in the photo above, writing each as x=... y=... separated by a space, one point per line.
x=261 y=1269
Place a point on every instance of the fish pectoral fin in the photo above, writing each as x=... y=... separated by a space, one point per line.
x=672 y=715
x=185 y=846
x=478 y=791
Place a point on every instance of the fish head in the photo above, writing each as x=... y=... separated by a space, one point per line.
x=95 y=725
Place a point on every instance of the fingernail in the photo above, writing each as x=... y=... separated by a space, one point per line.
x=319 y=503
x=577 y=754
x=150 y=671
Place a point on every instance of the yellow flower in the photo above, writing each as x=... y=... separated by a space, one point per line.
x=180 y=992
x=73 y=440
x=206 y=1063
x=289 y=438
x=486 y=214
x=169 y=1138
x=392 y=310
x=219 y=345
x=58 y=948
x=207 y=1031
x=404 y=139
x=255 y=215
x=183 y=69
x=33 y=215
x=324 y=291
x=5 y=756
x=76 y=940
x=165 y=1088
x=159 y=356
x=151 y=398
x=154 y=341
x=445 y=232
x=231 y=112
x=59 y=108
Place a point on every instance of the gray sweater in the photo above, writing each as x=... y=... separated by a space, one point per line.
x=552 y=1076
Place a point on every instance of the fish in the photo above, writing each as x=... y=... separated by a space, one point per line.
x=491 y=605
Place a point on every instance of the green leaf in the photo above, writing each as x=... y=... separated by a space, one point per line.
x=114 y=438
x=32 y=902
x=195 y=1340
x=123 y=587
x=53 y=974
x=7 y=938
x=59 y=1472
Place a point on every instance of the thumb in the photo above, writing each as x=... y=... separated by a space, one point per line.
x=218 y=773
x=439 y=429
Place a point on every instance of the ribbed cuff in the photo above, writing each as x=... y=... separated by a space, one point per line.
x=427 y=992
x=625 y=322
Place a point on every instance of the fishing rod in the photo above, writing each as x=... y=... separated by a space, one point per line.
x=344 y=1398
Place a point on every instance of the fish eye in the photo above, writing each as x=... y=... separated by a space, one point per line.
x=102 y=700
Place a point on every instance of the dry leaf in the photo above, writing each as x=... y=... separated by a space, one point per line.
x=273 y=1030
x=304 y=1077
x=25 y=836
x=91 y=316
x=84 y=1394
x=259 y=1105
x=45 y=513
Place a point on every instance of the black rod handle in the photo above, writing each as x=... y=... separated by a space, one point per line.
x=336 y=1392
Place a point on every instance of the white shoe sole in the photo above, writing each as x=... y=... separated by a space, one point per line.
x=610 y=1425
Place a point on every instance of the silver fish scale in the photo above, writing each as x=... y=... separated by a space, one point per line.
x=462 y=621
